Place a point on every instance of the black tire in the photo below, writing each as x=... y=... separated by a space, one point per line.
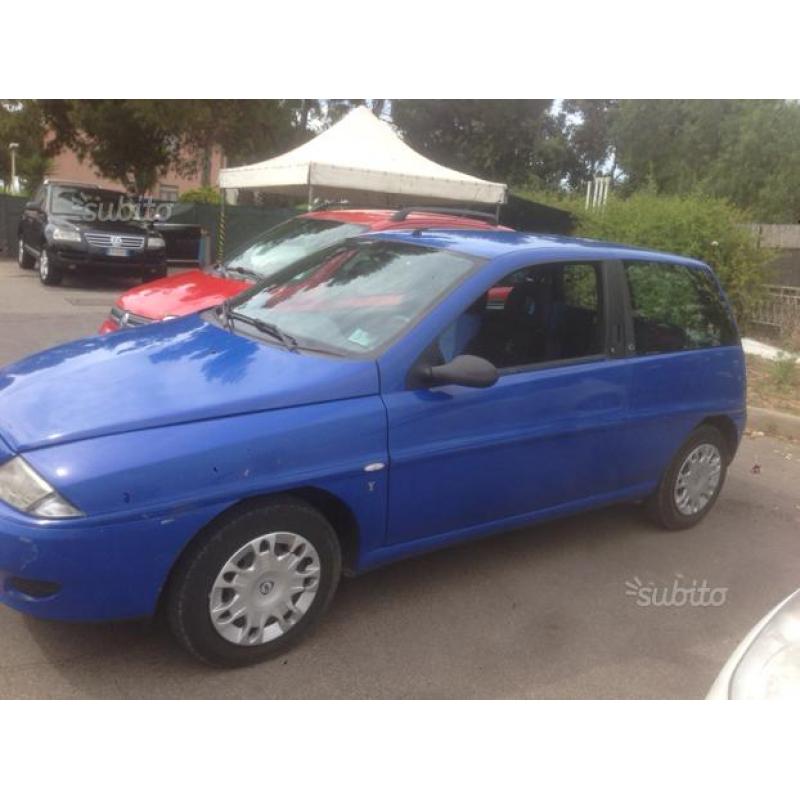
x=154 y=274
x=24 y=258
x=49 y=274
x=190 y=588
x=662 y=507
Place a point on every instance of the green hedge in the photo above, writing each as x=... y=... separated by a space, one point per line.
x=699 y=227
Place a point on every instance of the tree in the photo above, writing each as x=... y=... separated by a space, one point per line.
x=589 y=129
x=747 y=151
x=505 y=140
x=136 y=141
x=125 y=144
x=21 y=122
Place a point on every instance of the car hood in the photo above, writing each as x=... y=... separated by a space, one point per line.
x=84 y=224
x=179 y=295
x=163 y=374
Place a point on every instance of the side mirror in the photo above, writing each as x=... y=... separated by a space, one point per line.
x=462 y=371
x=31 y=205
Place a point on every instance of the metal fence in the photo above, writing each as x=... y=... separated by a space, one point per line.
x=778 y=312
x=10 y=213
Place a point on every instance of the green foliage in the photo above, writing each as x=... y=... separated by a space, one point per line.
x=507 y=140
x=708 y=229
x=205 y=194
x=783 y=371
x=589 y=127
x=136 y=141
x=747 y=151
x=21 y=122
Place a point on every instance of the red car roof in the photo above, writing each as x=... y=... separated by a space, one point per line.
x=379 y=219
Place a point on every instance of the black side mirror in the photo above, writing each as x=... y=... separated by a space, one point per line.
x=462 y=371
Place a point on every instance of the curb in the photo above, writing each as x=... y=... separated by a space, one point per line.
x=775 y=422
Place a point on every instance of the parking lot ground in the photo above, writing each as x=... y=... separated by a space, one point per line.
x=541 y=612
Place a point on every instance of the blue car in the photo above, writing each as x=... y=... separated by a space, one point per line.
x=393 y=394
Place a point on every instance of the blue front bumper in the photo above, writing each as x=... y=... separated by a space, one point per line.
x=104 y=569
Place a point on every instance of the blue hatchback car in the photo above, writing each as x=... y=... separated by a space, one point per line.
x=393 y=394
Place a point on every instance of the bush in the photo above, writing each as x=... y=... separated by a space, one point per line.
x=708 y=229
x=783 y=371
x=205 y=194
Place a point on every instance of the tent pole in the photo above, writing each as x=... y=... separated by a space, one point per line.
x=221 y=227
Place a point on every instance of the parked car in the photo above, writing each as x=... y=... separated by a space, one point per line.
x=268 y=253
x=369 y=404
x=766 y=665
x=68 y=227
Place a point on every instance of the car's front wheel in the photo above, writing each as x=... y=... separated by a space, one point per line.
x=49 y=274
x=24 y=258
x=154 y=274
x=254 y=583
x=692 y=482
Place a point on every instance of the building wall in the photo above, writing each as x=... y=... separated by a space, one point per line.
x=68 y=167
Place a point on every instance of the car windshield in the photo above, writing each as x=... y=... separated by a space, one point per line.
x=289 y=242
x=354 y=298
x=88 y=203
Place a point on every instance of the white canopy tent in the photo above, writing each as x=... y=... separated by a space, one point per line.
x=363 y=153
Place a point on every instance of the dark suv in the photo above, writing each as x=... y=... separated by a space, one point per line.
x=70 y=227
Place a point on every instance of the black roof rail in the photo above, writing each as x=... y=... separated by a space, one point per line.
x=329 y=204
x=403 y=213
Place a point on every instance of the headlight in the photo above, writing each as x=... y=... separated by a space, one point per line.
x=155 y=243
x=25 y=490
x=66 y=235
x=770 y=667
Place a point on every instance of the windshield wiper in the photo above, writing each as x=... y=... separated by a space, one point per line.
x=270 y=328
x=239 y=270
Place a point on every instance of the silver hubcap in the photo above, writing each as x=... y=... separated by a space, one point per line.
x=265 y=588
x=44 y=265
x=698 y=479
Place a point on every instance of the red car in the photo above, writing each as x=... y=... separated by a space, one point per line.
x=199 y=289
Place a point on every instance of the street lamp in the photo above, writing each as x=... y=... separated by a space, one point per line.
x=13 y=147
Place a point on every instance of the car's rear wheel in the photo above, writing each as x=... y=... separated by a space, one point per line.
x=49 y=274
x=24 y=258
x=692 y=482
x=255 y=583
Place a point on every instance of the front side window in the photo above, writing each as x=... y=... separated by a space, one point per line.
x=289 y=242
x=676 y=308
x=353 y=299
x=550 y=312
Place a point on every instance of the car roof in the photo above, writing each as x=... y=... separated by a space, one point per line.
x=492 y=243
x=383 y=219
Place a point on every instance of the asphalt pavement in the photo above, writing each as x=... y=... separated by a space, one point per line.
x=602 y=605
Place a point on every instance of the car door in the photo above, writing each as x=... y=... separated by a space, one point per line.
x=544 y=437
x=687 y=363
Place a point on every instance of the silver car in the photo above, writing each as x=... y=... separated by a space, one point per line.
x=766 y=665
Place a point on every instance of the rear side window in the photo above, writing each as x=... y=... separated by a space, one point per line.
x=676 y=308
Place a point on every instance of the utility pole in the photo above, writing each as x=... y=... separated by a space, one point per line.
x=13 y=147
